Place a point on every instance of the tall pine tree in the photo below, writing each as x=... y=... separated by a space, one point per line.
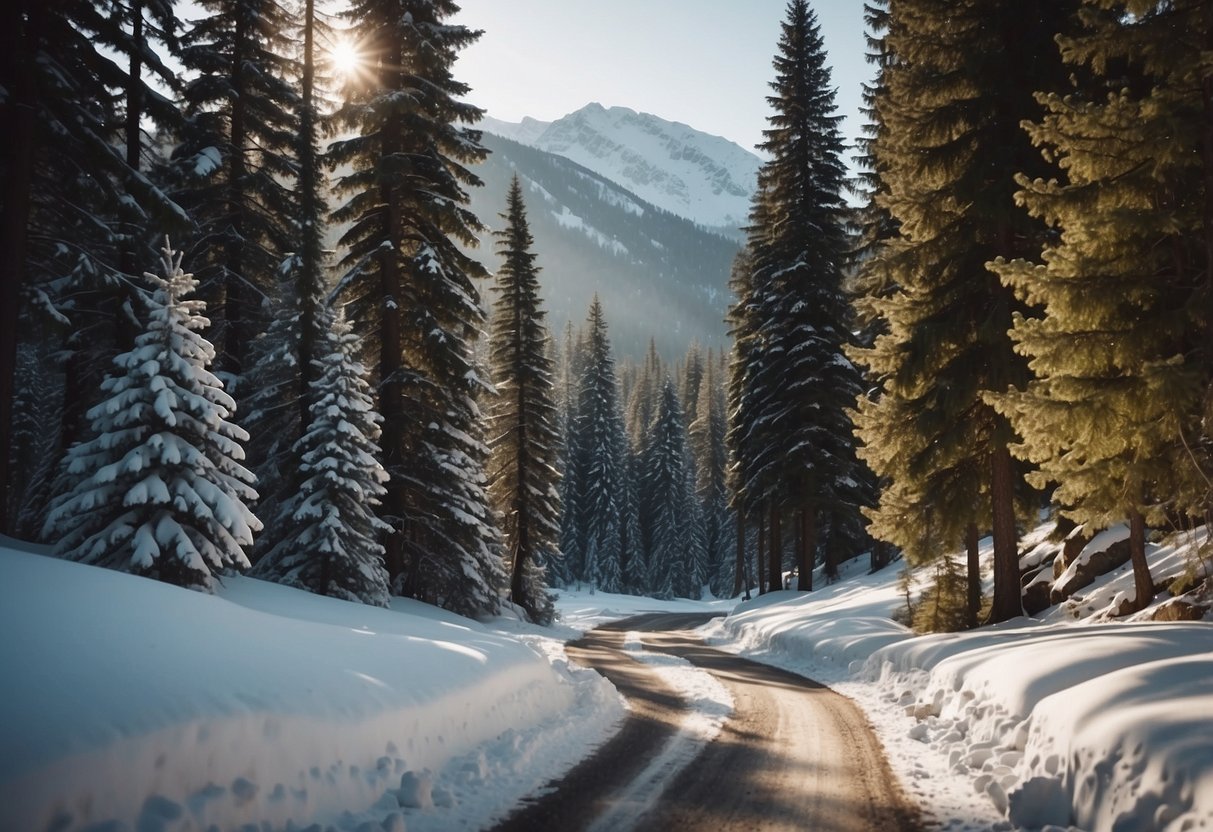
x=412 y=296
x=234 y=162
x=959 y=80
x=598 y=462
x=795 y=438
x=1122 y=352
x=523 y=478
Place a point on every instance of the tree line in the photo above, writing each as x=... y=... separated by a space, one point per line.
x=1017 y=315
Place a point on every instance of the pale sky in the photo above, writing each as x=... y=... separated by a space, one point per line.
x=706 y=63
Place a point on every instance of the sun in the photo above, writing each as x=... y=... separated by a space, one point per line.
x=346 y=59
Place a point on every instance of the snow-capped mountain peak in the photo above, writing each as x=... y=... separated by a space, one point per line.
x=704 y=178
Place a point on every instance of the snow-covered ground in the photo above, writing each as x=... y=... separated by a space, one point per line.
x=1059 y=722
x=130 y=701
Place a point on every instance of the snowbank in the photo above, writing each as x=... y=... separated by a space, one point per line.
x=1091 y=724
x=133 y=701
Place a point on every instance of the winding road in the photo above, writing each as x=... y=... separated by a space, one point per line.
x=793 y=755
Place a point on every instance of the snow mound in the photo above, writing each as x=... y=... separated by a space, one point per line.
x=137 y=704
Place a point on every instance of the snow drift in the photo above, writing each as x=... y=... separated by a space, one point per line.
x=133 y=701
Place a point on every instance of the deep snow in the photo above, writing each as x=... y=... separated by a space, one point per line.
x=1059 y=722
x=129 y=700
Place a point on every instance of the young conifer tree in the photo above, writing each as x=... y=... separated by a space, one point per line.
x=327 y=539
x=158 y=488
x=523 y=478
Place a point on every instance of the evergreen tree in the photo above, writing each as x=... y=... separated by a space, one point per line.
x=159 y=489
x=72 y=187
x=796 y=447
x=327 y=532
x=598 y=459
x=283 y=366
x=954 y=91
x=1121 y=354
x=675 y=559
x=706 y=439
x=523 y=476
x=412 y=295
x=234 y=161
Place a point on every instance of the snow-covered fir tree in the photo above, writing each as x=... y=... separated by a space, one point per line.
x=410 y=288
x=598 y=461
x=523 y=478
x=326 y=534
x=158 y=488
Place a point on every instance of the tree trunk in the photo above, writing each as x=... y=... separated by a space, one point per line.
x=21 y=24
x=972 y=540
x=760 y=554
x=775 y=554
x=230 y=350
x=1008 y=597
x=1206 y=150
x=309 y=265
x=391 y=358
x=808 y=537
x=830 y=554
x=1143 y=584
x=522 y=550
x=739 y=564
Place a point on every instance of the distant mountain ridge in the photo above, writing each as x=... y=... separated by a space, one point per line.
x=706 y=179
x=658 y=275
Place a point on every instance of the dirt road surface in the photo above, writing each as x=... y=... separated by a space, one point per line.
x=793 y=755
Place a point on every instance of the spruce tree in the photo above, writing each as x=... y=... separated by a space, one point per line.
x=234 y=162
x=956 y=86
x=523 y=478
x=1121 y=354
x=794 y=444
x=76 y=95
x=570 y=515
x=670 y=516
x=158 y=488
x=412 y=294
x=598 y=460
x=706 y=440
x=327 y=534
